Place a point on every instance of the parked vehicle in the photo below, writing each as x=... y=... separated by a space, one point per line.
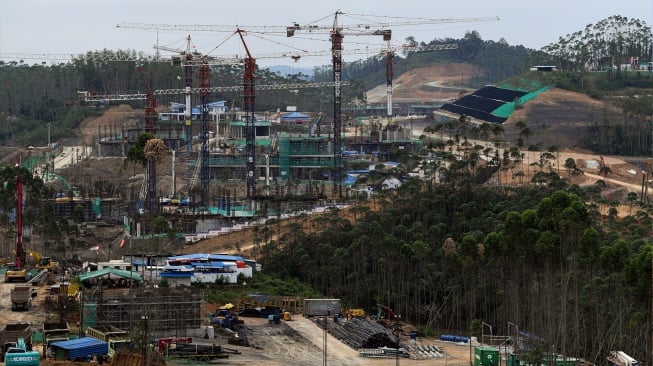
x=54 y=332
x=21 y=297
x=11 y=333
x=200 y=352
x=117 y=339
x=16 y=274
x=20 y=355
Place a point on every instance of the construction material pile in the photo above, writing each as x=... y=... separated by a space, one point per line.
x=361 y=333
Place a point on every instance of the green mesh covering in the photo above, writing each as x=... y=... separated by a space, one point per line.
x=32 y=162
x=507 y=109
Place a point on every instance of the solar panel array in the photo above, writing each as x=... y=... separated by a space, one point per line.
x=483 y=102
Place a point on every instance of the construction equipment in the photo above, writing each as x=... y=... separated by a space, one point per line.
x=21 y=297
x=47 y=263
x=13 y=331
x=200 y=352
x=620 y=358
x=357 y=313
x=54 y=331
x=40 y=262
x=117 y=338
x=287 y=316
x=18 y=272
x=19 y=355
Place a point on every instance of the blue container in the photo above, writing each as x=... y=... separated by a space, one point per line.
x=448 y=338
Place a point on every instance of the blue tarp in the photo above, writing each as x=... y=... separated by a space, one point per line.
x=82 y=347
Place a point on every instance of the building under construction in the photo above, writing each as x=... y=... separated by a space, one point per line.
x=159 y=311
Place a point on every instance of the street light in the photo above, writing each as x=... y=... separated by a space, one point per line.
x=482 y=334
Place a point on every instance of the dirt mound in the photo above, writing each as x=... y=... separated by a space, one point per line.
x=560 y=117
x=428 y=84
x=115 y=118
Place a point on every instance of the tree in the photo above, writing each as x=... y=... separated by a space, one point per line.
x=570 y=165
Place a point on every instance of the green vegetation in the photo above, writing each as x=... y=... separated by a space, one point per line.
x=442 y=256
x=262 y=283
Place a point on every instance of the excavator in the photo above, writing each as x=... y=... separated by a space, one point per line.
x=41 y=262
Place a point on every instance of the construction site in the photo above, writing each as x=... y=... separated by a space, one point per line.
x=209 y=168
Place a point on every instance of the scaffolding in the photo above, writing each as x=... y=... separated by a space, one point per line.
x=167 y=310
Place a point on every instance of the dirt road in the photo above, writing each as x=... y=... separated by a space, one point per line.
x=300 y=342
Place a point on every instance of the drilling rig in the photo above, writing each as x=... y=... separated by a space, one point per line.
x=18 y=272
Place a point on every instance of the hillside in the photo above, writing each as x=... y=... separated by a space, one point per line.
x=428 y=84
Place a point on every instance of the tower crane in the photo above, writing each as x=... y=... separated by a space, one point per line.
x=337 y=33
x=249 y=99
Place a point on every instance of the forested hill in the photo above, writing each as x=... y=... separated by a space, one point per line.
x=499 y=60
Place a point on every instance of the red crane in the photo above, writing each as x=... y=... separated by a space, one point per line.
x=20 y=253
x=249 y=99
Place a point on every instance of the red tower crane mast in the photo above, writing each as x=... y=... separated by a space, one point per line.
x=20 y=252
x=249 y=100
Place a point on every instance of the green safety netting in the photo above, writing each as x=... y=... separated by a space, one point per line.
x=507 y=109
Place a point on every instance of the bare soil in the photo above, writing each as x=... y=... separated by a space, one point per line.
x=427 y=84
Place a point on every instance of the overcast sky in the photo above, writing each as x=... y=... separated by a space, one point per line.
x=78 y=26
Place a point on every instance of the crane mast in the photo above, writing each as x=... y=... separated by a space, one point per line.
x=205 y=84
x=20 y=253
x=249 y=99
x=336 y=49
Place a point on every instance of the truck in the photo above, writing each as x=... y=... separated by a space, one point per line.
x=21 y=297
x=12 y=332
x=200 y=352
x=54 y=331
x=620 y=358
x=20 y=355
x=117 y=339
x=321 y=307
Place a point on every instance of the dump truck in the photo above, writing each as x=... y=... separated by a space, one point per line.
x=19 y=355
x=54 y=332
x=117 y=338
x=21 y=297
x=11 y=333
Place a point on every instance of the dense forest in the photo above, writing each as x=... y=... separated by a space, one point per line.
x=449 y=256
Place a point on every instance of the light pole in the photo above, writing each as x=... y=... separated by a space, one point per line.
x=482 y=334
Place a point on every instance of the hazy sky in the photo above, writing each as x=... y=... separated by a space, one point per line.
x=78 y=26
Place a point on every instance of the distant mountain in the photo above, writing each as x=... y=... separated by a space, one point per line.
x=285 y=70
